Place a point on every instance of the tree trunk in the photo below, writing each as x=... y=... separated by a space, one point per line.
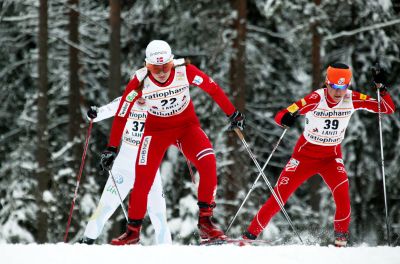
x=42 y=155
x=114 y=81
x=75 y=118
x=114 y=84
x=396 y=6
x=315 y=182
x=238 y=93
x=237 y=64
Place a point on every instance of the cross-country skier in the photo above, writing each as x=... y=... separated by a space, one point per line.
x=171 y=120
x=318 y=151
x=123 y=171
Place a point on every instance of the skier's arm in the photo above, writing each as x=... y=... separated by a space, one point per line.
x=108 y=110
x=362 y=101
x=301 y=107
x=366 y=102
x=128 y=99
x=202 y=80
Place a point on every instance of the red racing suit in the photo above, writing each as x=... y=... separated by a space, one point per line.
x=171 y=120
x=318 y=151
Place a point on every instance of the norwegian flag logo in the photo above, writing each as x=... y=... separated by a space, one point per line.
x=292 y=165
x=160 y=59
x=154 y=107
x=315 y=130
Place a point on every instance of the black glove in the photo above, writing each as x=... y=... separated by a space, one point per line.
x=92 y=112
x=379 y=74
x=237 y=120
x=107 y=158
x=288 y=119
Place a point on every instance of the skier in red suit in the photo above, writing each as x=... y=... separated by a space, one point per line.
x=318 y=151
x=171 y=120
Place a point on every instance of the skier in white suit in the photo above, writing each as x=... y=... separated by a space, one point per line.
x=123 y=171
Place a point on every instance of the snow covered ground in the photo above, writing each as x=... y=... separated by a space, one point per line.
x=76 y=254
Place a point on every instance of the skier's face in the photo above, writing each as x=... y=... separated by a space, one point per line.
x=336 y=94
x=160 y=72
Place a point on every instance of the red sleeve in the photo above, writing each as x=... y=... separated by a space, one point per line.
x=366 y=102
x=202 y=80
x=302 y=106
x=125 y=105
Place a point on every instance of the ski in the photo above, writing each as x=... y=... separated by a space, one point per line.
x=235 y=241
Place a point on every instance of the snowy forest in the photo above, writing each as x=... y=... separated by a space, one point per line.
x=58 y=58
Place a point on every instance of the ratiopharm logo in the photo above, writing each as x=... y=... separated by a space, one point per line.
x=144 y=150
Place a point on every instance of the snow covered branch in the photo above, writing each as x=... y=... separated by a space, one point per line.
x=363 y=29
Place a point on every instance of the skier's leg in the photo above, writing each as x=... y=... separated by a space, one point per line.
x=151 y=152
x=295 y=173
x=197 y=148
x=157 y=211
x=336 y=178
x=109 y=200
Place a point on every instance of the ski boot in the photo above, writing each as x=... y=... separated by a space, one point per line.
x=341 y=239
x=207 y=229
x=131 y=236
x=247 y=238
x=86 y=240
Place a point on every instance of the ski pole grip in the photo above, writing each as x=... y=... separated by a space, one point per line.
x=239 y=133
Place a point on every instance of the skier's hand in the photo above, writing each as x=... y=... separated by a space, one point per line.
x=107 y=158
x=379 y=76
x=288 y=119
x=92 y=113
x=237 y=120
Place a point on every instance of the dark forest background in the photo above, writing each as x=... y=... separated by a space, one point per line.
x=59 y=57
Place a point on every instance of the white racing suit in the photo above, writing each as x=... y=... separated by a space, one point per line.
x=123 y=171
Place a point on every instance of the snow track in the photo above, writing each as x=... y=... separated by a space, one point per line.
x=76 y=254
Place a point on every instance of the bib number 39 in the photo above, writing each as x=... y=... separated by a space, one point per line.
x=331 y=124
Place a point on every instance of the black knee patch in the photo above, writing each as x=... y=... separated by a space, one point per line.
x=134 y=222
x=206 y=205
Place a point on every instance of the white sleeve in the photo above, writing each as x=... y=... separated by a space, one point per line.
x=140 y=74
x=179 y=62
x=108 y=110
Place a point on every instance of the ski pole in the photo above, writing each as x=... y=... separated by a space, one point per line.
x=78 y=178
x=241 y=137
x=119 y=195
x=383 y=164
x=255 y=182
x=190 y=170
x=187 y=162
